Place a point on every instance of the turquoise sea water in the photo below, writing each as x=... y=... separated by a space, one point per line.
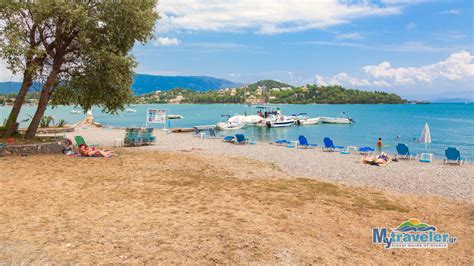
x=450 y=124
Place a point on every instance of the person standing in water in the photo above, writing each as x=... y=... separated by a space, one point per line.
x=379 y=145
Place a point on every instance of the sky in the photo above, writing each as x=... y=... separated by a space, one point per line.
x=419 y=49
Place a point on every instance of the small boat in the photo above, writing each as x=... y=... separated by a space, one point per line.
x=233 y=123
x=336 y=120
x=308 y=121
x=252 y=119
x=75 y=111
x=174 y=117
x=204 y=127
x=130 y=110
x=229 y=125
x=279 y=121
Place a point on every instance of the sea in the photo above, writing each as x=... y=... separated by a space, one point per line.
x=451 y=125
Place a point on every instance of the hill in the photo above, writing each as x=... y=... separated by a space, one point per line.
x=283 y=93
x=143 y=84
x=269 y=84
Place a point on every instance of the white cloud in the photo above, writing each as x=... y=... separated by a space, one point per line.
x=165 y=41
x=350 y=36
x=266 y=17
x=458 y=67
x=451 y=12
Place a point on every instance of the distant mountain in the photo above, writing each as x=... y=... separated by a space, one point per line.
x=149 y=83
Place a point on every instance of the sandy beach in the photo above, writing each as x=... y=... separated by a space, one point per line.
x=193 y=201
x=406 y=177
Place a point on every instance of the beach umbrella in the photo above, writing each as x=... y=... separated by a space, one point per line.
x=425 y=136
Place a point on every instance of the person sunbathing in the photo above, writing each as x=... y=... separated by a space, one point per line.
x=86 y=151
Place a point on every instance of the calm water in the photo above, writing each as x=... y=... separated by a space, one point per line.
x=450 y=124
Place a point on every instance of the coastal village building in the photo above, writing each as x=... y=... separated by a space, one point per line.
x=177 y=100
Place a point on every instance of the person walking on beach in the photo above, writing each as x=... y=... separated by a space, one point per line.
x=379 y=145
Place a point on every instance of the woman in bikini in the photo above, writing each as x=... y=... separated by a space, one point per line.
x=92 y=152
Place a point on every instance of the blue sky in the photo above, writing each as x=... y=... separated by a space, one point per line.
x=420 y=49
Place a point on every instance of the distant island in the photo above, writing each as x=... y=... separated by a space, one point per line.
x=270 y=91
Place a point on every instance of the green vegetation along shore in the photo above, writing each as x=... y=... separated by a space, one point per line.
x=269 y=91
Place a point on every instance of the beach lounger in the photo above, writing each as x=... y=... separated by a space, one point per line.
x=329 y=145
x=212 y=133
x=365 y=150
x=80 y=140
x=453 y=156
x=282 y=142
x=240 y=139
x=404 y=153
x=133 y=137
x=303 y=143
x=146 y=136
x=228 y=138
x=198 y=133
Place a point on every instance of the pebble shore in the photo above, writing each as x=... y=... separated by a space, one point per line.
x=405 y=177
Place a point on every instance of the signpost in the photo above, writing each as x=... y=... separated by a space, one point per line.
x=156 y=116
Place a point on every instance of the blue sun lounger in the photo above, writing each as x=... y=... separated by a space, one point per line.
x=453 y=155
x=303 y=143
x=240 y=139
x=329 y=145
x=228 y=138
x=212 y=133
x=282 y=142
x=365 y=150
x=404 y=152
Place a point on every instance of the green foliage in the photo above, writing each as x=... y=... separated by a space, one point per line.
x=61 y=123
x=269 y=84
x=46 y=121
x=295 y=95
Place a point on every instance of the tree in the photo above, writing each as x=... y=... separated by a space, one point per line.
x=22 y=50
x=87 y=46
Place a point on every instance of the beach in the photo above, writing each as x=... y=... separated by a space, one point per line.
x=404 y=176
x=201 y=201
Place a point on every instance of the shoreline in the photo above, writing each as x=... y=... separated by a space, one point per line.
x=405 y=177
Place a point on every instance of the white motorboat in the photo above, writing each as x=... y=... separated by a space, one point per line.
x=252 y=119
x=229 y=125
x=75 y=111
x=233 y=123
x=170 y=116
x=130 y=110
x=275 y=121
x=336 y=120
x=309 y=121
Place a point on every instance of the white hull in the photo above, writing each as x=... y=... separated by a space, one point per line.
x=309 y=121
x=174 y=117
x=284 y=123
x=75 y=112
x=229 y=126
x=204 y=127
x=130 y=110
x=336 y=120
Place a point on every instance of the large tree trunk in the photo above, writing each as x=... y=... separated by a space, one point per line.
x=42 y=103
x=20 y=99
